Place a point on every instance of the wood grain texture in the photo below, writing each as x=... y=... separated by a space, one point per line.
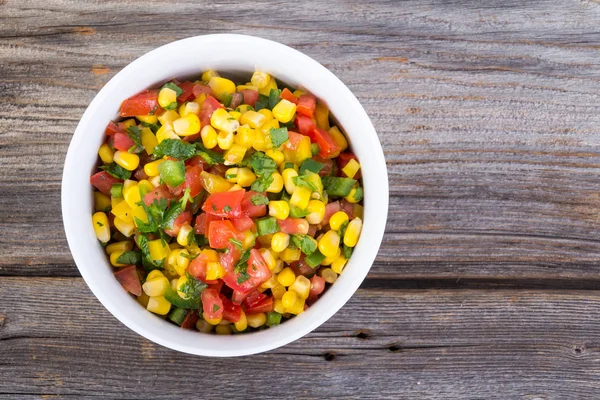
x=387 y=344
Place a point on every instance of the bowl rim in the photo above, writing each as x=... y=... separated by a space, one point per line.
x=78 y=230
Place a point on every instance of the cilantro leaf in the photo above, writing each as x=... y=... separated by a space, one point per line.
x=171 y=106
x=274 y=97
x=242 y=277
x=153 y=127
x=259 y=200
x=236 y=243
x=262 y=102
x=296 y=212
x=227 y=208
x=310 y=165
x=262 y=183
x=242 y=264
x=192 y=288
x=174 y=148
x=301 y=180
x=263 y=167
x=117 y=171
x=172 y=86
x=130 y=257
x=347 y=252
x=171 y=215
x=211 y=157
x=216 y=307
x=342 y=229
x=305 y=243
x=147 y=261
x=136 y=135
x=278 y=136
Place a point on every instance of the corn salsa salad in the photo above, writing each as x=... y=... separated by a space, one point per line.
x=226 y=208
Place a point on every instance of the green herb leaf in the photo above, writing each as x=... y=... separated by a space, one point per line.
x=305 y=243
x=192 y=288
x=216 y=307
x=311 y=165
x=99 y=223
x=242 y=277
x=274 y=97
x=278 y=136
x=296 y=212
x=225 y=98
x=117 y=171
x=342 y=229
x=174 y=148
x=227 y=208
x=263 y=166
x=262 y=102
x=262 y=183
x=171 y=215
x=211 y=157
x=302 y=180
x=236 y=243
x=171 y=106
x=242 y=264
x=130 y=257
x=153 y=127
x=136 y=135
x=259 y=200
x=147 y=261
x=347 y=252
x=174 y=87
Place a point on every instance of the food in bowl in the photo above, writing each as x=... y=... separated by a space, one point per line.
x=225 y=207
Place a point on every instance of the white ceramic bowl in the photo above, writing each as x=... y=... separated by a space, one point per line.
x=189 y=57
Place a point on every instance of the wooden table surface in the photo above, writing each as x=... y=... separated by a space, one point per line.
x=487 y=283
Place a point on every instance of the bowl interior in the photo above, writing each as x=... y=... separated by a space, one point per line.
x=242 y=56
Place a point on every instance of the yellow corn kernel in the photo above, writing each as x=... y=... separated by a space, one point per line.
x=256 y=320
x=187 y=126
x=166 y=133
x=339 y=264
x=253 y=119
x=206 y=75
x=158 y=249
x=243 y=108
x=129 y=161
x=271 y=85
x=106 y=154
x=277 y=185
x=288 y=175
x=156 y=273
x=101 y=226
x=278 y=305
x=149 y=119
x=235 y=154
x=289 y=299
x=209 y=136
x=353 y=232
x=276 y=155
x=223 y=330
x=337 y=220
x=300 y=197
x=284 y=111
x=189 y=107
x=351 y=168
x=145 y=187
x=122 y=246
x=139 y=213
x=267 y=113
x=200 y=100
x=204 y=326
x=101 y=202
x=122 y=211
x=214 y=270
x=266 y=128
x=259 y=143
x=245 y=136
x=210 y=254
x=214 y=183
x=132 y=195
x=298 y=92
x=177 y=262
x=221 y=85
x=156 y=286
x=143 y=299
x=269 y=258
x=212 y=321
x=242 y=323
x=225 y=140
x=316 y=209
x=330 y=259
x=182 y=235
x=232 y=175
x=149 y=140
x=125 y=227
x=278 y=290
x=128 y=183
x=329 y=243
x=328 y=275
x=269 y=283
x=322 y=116
x=278 y=267
x=168 y=117
x=351 y=198
x=166 y=97
x=235 y=114
x=180 y=283
x=247 y=86
x=158 y=305
x=174 y=246
x=301 y=287
x=249 y=239
x=280 y=241
x=151 y=169
x=286 y=277
x=114 y=201
x=279 y=209
x=290 y=255
x=260 y=79
x=245 y=177
x=339 y=139
x=128 y=123
x=297 y=308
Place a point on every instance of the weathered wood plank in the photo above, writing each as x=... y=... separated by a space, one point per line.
x=56 y=339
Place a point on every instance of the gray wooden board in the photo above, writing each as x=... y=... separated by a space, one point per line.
x=488 y=115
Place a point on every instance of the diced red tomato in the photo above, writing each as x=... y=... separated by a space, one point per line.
x=317 y=285
x=219 y=233
x=130 y=280
x=225 y=204
x=249 y=209
x=217 y=286
x=329 y=165
x=145 y=103
x=306 y=105
x=293 y=226
x=300 y=267
x=238 y=297
x=185 y=218
x=250 y=96
x=264 y=306
x=231 y=311
x=189 y=322
x=197 y=268
x=122 y=142
x=159 y=192
x=328 y=146
x=257 y=270
x=289 y=96
x=202 y=223
x=212 y=305
x=112 y=128
x=200 y=88
x=192 y=180
x=330 y=209
x=236 y=100
x=253 y=298
x=348 y=208
x=294 y=140
x=304 y=124
x=188 y=92
x=343 y=159
x=197 y=161
x=103 y=181
x=209 y=106
x=243 y=223
x=230 y=258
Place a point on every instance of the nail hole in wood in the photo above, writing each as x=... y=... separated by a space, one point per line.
x=578 y=350
x=363 y=333
x=395 y=348
x=329 y=356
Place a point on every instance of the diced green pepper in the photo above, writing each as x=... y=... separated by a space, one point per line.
x=315 y=259
x=338 y=187
x=267 y=225
x=177 y=315
x=315 y=149
x=172 y=172
x=273 y=318
x=296 y=212
x=116 y=190
x=310 y=165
